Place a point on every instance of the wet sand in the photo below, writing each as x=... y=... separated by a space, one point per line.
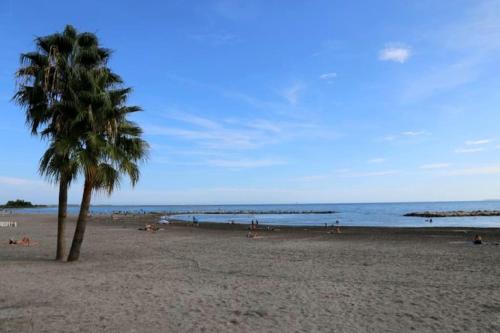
x=214 y=279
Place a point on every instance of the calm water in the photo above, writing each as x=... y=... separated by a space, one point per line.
x=374 y=214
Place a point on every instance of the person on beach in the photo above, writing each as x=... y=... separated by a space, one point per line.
x=478 y=240
x=25 y=241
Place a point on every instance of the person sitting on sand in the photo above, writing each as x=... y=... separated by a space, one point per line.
x=478 y=240
x=25 y=241
x=149 y=227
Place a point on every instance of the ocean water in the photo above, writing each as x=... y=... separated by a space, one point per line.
x=355 y=214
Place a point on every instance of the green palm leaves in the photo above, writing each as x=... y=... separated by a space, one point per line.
x=72 y=99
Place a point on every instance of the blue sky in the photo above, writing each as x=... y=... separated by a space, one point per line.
x=283 y=101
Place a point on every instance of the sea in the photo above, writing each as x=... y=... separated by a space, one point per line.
x=347 y=214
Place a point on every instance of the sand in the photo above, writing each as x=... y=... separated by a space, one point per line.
x=188 y=279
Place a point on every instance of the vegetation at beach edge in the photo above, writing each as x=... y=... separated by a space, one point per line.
x=20 y=204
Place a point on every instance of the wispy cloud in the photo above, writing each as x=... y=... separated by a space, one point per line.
x=395 y=53
x=477 y=142
x=471 y=43
x=19 y=181
x=414 y=133
x=328 y=76
x=389 y=138
x=469 y=150
x=291 y=94
x=245 y=163
x=478 y=31
x=474 y=146
x=345 y=173
x=435 y=166
x=236 y=133
x=232 y=94
x=484 y=170
x=406 y=134
x=376 y=160
x=370 y=174
x=441 y=79
x=221 y=138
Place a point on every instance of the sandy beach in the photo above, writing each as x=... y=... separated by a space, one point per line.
x=206 y=279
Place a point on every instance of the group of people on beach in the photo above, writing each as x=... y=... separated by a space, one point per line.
x=337 y=227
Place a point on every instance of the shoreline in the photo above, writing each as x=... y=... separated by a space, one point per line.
x=186 y=278
x=154 y=217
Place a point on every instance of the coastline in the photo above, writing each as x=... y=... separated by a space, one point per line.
x=186 y=278
x=384 y=215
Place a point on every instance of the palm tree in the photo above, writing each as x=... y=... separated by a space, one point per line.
x=46 y=92
x=110 y=144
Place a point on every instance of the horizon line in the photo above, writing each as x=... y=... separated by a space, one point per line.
x=276 y=204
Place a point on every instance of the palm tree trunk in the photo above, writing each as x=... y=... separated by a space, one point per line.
x=81 y=223
x=61 y=218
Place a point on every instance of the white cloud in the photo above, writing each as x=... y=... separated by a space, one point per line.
x=244 y=163
x=435 y=166
x=405 y=134
x=395 y=53
x=477 y=142
x=328 y=76
x=235 y=134
x=413 y=133
x=468 y=150
x=487 y=170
